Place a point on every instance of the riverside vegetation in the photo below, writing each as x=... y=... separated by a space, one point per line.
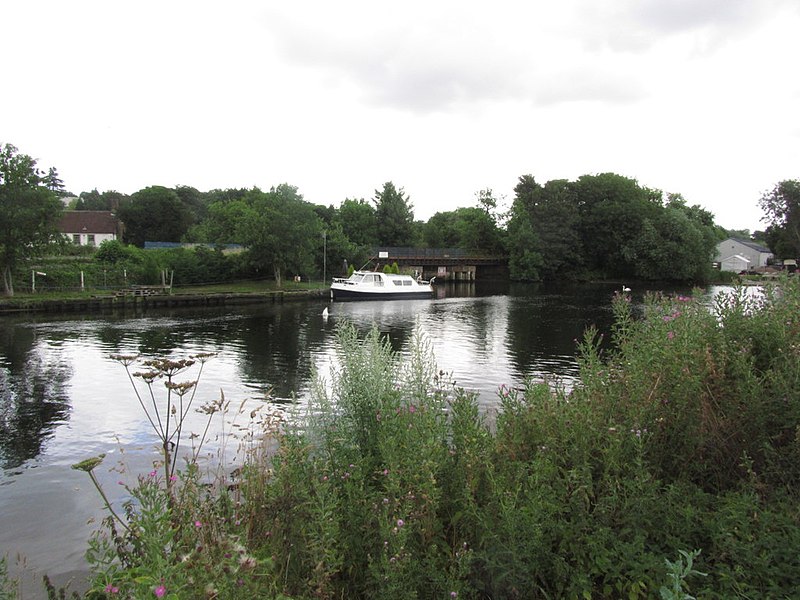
x=671 y=470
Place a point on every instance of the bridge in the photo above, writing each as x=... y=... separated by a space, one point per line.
x=449 y=264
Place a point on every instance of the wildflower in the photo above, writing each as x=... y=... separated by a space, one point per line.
x=400 y=522
x=454 y=594
x=670 y=335
x=412 y=409
x=160 y=591
x=111 y=589
x=198 y=524
x=153 y=473
x=89 y=464
x=173 y=478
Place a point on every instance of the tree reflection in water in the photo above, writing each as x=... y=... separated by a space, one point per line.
x=33 y=396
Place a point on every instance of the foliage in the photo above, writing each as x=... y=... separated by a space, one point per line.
x=358 y=221
x=180 y=537
x=154 y=214
x=676 y=244
x=781 y=206
x=471 y=229
x=394 y=216
x=94 y=200
x=7 y=584
x=544 y=222
x=606 y=226
x=525 y=260
x=678 y=572
x=29 y=213
x=114 y=251
x=280 y=230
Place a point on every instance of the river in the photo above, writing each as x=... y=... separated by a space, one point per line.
x=63 y=398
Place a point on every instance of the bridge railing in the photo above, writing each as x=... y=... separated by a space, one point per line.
x=407 y=253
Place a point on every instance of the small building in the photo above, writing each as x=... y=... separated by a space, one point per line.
x=90 y=227
x=736 y=263
x=734 y=254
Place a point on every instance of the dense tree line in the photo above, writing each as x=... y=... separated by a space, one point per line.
x=607 y=226
x=598 y=226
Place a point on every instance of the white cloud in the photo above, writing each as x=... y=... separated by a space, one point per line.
x=442 y=98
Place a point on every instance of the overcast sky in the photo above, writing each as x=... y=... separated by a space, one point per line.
x=698 y=97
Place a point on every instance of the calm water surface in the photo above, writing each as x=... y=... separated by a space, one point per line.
x=63 y=399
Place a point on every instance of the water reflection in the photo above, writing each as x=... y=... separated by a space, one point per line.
x=33 y=399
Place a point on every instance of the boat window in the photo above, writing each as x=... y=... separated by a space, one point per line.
x=407 y=282
x=398 y=282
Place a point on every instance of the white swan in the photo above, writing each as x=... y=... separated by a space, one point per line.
x=625 y=289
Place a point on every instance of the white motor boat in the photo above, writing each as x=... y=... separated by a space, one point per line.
x=374 y=285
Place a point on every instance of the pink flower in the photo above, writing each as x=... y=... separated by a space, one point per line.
x=400 y=522
x=412 y=409
x=670 y=335
x=198 y=524
x=111 y=589
x=152 y=473
x=160 y=591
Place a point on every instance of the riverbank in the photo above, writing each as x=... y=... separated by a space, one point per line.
x=130 y=300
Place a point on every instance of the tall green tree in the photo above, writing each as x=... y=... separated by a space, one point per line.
x=547 y=217
x=612 y=211
x=154 y=214
x=53 y=182
x=781 y=206
x=281 y=231
x=29 y=213
x=358 y=222
x=394 y=216
x=469 y=228
x=94 y=200
x=553 y=213
x=441 y=230
x=678 y=243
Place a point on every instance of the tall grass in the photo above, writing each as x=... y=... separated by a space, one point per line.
x=684 y=437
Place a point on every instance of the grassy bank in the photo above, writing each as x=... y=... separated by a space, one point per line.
x=673 y=468
x=104 y=299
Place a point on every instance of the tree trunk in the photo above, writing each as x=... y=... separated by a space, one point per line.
x=8 y=282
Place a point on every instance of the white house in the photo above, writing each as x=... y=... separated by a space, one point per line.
x=90 y=227
x=734 y=254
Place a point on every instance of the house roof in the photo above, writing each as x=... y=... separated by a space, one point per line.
x=736 y=258
x=88 y=221
x=751 y=244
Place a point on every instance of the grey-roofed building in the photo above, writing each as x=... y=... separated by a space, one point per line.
x=731 y=251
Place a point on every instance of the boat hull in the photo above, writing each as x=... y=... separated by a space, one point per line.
x=356 y=294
